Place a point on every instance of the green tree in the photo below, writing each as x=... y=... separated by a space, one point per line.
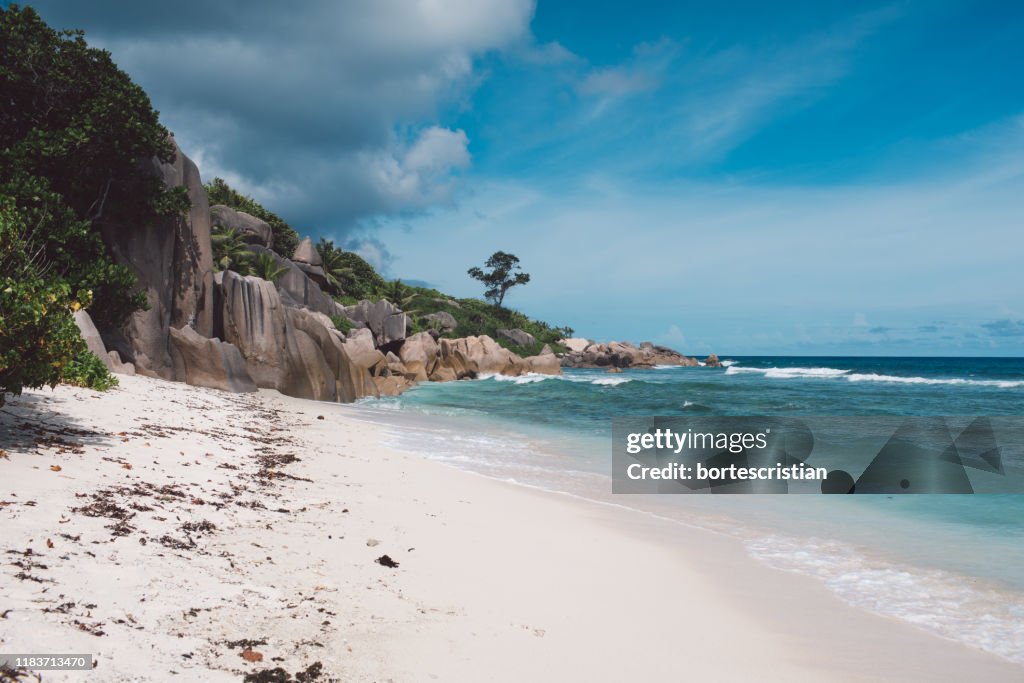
x=340 y=275
x=39 y=342
x=230 y=251
x=503 y=274
x=74 y=132
x=285 y=237
x=401 y=295
x=266 y=268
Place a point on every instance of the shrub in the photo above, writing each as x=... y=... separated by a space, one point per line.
x=40 y=345
x=343 y=324
x=86 y=370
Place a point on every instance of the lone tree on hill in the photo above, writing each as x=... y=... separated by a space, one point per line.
x=504 y=274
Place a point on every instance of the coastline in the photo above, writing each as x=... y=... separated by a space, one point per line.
x=495 y=581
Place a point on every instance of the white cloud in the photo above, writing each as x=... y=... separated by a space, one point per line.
x=310 y=107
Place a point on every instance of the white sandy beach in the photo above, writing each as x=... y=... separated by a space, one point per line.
x=163 y=529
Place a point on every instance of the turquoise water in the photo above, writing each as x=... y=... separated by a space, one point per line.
x=953 y=565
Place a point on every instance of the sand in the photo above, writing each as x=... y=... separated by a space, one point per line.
x=168 y=531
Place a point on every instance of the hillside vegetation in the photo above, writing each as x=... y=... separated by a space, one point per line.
x=354 y=279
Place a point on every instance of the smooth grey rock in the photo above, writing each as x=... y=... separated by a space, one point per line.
x=442 y=321
x=298 y=289
x=384 y=319
x=210 y=362
x=92 y=338
x=307 y=253
x=172 y=261
x=518 y=337
x=254 y=321
x=252 y=229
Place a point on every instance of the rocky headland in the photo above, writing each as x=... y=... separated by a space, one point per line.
x=584 y=353
x=238 y=333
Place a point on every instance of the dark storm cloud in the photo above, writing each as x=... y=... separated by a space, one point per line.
x=329 y=112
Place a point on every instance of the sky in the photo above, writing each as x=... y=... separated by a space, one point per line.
x=746 y=178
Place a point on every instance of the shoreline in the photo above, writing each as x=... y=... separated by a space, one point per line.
x=495 y=581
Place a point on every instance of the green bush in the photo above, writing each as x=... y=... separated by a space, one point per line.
x=40 y=345
x=38 y=336
x=285 y=237
x=343 y=324
x=86 y=370
x=365 y=282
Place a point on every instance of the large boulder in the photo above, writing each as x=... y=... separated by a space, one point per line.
x=442 y=321
x=419 y=353
x=308 y=374
x=352 y=381
x=544 y=363
x=298 y=289
x=295 y=350
x=306 y=253
x=363 y=352
x=253 y=319
x=713 y=361
x=172 y=262
x=205 y=362
x=252 y=229
x=621 y=355
x=385 y=320
x=576 y=344
x=518 y=337
x=307 y=258
x=473 y=356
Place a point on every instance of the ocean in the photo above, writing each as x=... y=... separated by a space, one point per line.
x=950 y=564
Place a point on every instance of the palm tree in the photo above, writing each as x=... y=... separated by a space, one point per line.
x=230 y=252
x=337 y=273
x=266 y=268
x=401 y=295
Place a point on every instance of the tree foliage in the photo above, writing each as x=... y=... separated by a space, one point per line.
x=40 y=345
x=340 y=275
x=74 y=130
x=230 y=251
x=265 y=267
x=285 y=237
x=364 y=282
x=503 y=274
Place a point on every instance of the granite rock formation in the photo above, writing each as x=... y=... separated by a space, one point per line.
x=252 y=229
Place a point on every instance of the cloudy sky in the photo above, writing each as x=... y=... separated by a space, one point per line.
x=746 y=178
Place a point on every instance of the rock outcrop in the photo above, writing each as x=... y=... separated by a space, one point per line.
x=620 y=355
x=712 y=361
x=576 y=344
x=298 y=289
x=205 y=362
x=252 y=229
x=385 y=320
x=308 y=259
x=518 y=337
x=442 y=321
x=92 y=338
x=238 y=333
x=419 y=354
x=172 y=262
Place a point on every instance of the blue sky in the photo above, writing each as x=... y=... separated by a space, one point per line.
x=803 y=178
